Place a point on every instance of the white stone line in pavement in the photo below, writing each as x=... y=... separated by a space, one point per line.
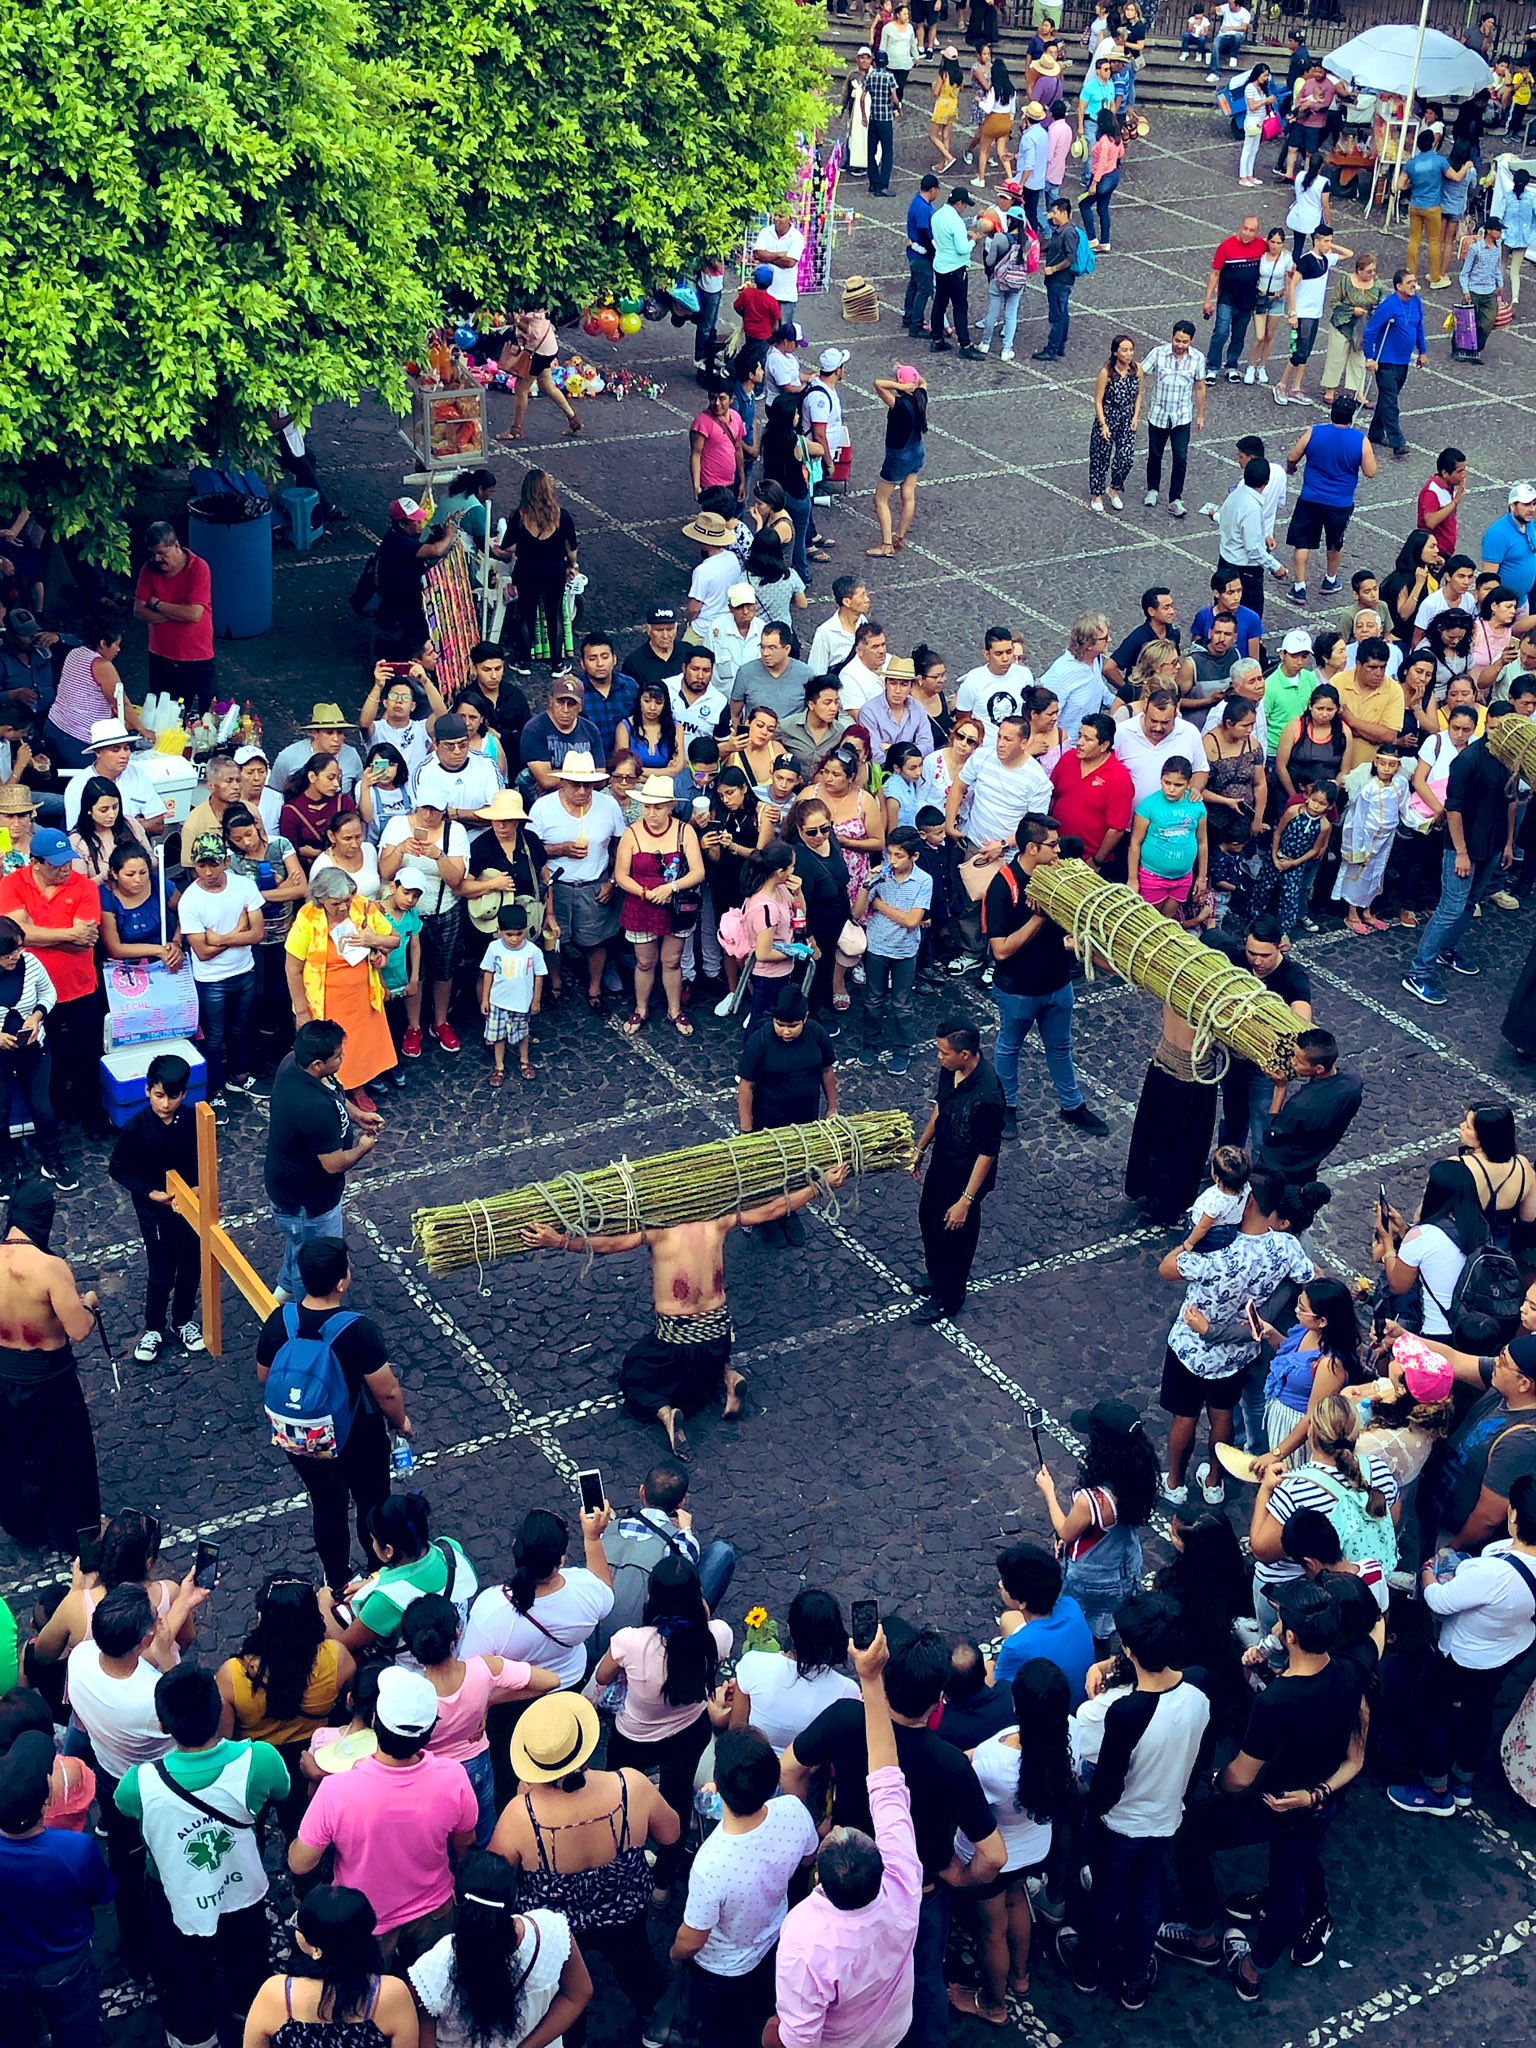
x=1407 y=1025
x=1398 y=1999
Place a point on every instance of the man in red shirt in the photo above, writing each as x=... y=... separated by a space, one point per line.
x=759 y=311
x=59 y=915
x=1441 y=497
x=1231 y=293
x=1094 y=794
x=174 y=598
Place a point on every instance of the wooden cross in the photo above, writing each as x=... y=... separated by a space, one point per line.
x=220 y=1254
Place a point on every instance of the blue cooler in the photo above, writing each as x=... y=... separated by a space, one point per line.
x=123 y=1071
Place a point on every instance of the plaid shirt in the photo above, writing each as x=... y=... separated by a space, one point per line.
x=606 y=713
x=880 y=88
x=1174 y=378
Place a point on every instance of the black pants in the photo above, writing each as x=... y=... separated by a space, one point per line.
x=674 y=1760
x=628 y=1953
x=950 y=295
x=1295 y=1893
x=1452 y=1709
x=726 y=2011
x=1253 y=584
x=1032 y=208
x=1159 y=438
x=950 y=1253
x=64 y=1992
x=28 y=1071
x=360 y=1474
x=187 y=1967
x=1386 y=421
x=74 y=1034
x=128 y=1862
x=882 y=144
x=535 y=594
x=1125 y=1905
x=171 y=1262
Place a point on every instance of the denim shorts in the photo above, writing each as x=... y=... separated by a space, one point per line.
x=900 y=463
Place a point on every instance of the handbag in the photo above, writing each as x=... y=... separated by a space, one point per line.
x=514 y=361
x=1505 y=313
x=852 y=942
x=1271 y=127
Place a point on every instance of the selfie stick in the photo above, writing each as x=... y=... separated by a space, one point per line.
x=1032 y=1417
x=106 y=1345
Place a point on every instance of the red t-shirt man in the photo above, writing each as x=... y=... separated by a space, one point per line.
x=51 y=901
x=1091 y=802
x=172 y=584
x=760 y=312
x=1434 y=497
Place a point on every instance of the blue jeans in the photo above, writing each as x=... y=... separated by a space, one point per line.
x=1126 y=1902
x=299 y=1230
x=224 y=1012
x=64 y=1992
x=1228 y=48
x=1058 y=302
x=717 y=1567
x=799 y=510
x=1100 y=199
x=1200 y=45
x=1053 y=1014
x=930 y=1999
x=1246 y=1093
x=1459 y=896
x=919 y=290
x=889 y=982
x=1229 y=330
x=709 y=322
x=1002 y=306
x=482 y=1783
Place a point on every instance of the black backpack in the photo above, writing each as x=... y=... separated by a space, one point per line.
x=1486 y=1299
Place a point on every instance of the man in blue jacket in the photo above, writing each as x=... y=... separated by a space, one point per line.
x=914 y=314
x=1394 y=336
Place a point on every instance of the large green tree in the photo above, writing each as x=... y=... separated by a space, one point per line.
x=602 y=143
x=212 y=208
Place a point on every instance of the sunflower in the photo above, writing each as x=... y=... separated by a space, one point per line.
x=757 y=1617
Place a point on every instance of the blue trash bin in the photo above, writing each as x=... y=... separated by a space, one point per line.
x=234 y=537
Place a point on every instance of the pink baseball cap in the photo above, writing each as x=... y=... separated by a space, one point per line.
x=1426 y=1375
x=908 y=373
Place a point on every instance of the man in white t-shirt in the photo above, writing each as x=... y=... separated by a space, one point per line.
x=996 y=689
x=455 y=780
x=781 y=246
x=221 y=921
x=821 y=411
x=1232 y=24
x=832 y=642
x=718 y=569
x=1456 y=588
x=111 y=746
x=580 y=823
x=1146 y=741
x=862 y=676
x=738 y=1891
x=1003 y=782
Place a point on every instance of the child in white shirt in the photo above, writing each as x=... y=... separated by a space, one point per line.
x=1225 y=1199
x=1196 y=39
x=510 y=975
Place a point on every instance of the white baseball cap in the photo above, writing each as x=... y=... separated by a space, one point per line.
x=412 y=878
x=740 y=593
x=832 y=359
x=407 y=1704
x=1522 y=494
x=1297 y=641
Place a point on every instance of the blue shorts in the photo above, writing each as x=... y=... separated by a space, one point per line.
x=900 y=463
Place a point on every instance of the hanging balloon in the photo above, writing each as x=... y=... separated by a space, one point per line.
x=465 y=337
x=653 y=309
x=630 y=304
x=592 y=322
x=631 y=323
x=608 y=323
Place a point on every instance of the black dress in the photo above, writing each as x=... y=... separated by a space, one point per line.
x=824 y=879
x=1519 y=1025
x=1171 y=1137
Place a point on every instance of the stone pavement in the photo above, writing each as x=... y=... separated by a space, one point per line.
x=876 y=1458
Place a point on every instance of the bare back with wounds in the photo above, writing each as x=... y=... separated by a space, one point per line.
x=40 y=1306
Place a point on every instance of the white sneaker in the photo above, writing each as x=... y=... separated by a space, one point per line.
x=984 y=348
x=1117 y=501
x=1176 y=507
x=723 y=1007
x=1006 y=356
x=1280 y=397
x=1150 y=498
x=1213 y=77
x=1249 y=374
x=1263 y=374
x=191 y=1337
x=1213 y=1490
x=1096 y=504
x=1175 y=1496
x=1185 y=55
x=147 y=1350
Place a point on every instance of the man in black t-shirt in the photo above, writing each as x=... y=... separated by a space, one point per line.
x=1247 y=1093
x=656 y=660
x=787 y=1065
x=1032 y=979
x=1304 y=1743
x=945 y=1792
x=964 y=1132
x=972 y=1709
x=311 y=1144
x=361 y=1470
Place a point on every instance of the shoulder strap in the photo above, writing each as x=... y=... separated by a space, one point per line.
x=1525 y=1572
x=191 y=1799
x=451 y=1559
x=538 y=1839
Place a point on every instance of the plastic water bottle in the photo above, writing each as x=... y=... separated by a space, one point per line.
x=708 y=1804
x=401 y=1457
x=266 y=875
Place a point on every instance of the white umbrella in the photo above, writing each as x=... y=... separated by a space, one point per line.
x=1383 y=60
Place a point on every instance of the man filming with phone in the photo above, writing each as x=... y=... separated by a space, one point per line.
x=945 y=1794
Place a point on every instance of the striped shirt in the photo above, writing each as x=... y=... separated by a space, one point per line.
x=1174 y=378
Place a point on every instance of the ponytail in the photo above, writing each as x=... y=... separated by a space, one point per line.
x=1335 y=1426
x=538 y=1551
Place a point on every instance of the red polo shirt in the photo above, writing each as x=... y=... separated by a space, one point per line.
x=180 y=639
x=71 y=969
x=1090 y=803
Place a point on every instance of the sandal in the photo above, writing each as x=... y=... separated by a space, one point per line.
x=513 y=434
x=1377 y=924
x=681 y=1025
x=498 y=1077
x=1409 y=918
x=965 y=1999
x=633 y=1024
x=595 y=1003
x=1358 y=930
x=880 y=551
x=525 y=1070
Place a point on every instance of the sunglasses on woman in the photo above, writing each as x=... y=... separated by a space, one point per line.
x=814 y=831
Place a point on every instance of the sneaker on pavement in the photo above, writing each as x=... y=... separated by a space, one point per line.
x=65 y=1178
x=869 y=1057
x=1175 y=1496
x=1423 y=1799
x=1458 y=965
x=190 y=1336
x=448 y=1038
x=1330 y=586
x=1504 y=899
x=410 y=1045
x=1086 y=1120
x=1244 y=1908
x=1176 y=507
x=1250 y=374
x=1307 y=1948
x=900 y=1062
x=1006 y=356
x=1010 y=1121
x=1177 y=1938
x=1234 y=1953
x=1234 y=376
x=1426 y=991
x=1261 y=375
x=1297 y=593
x=1461 y=1789
x=147 y=1350
x=1134 y=1996
x=1150 y=498
x=1213 y=1489
x=723 y=1007
x=1073 y=1957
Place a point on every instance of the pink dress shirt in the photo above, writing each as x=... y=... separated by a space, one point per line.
x=844 y=1980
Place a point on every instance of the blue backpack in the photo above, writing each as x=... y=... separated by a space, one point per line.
x=1084 y=262
x=308 y=1404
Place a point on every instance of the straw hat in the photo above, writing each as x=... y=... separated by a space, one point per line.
x=505 y=804
x=555 y=1735
x=346 y=1751
x=900 y=669
x=710 y=529
x=17 y=801
x=1047 y=65
x=579 y=766
x=110 y=732
x=656 y=789
x=327 y=718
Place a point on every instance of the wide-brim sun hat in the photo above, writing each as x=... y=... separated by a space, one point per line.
x=656 y=789
x=554 y=1736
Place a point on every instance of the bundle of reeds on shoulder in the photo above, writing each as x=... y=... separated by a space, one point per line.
x=717 y=1179
x=1229 y=1008
x=1512 y=740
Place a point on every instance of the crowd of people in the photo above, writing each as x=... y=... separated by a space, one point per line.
x=463 y=1779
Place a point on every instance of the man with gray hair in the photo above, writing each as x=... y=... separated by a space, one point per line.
x=1247 y=681
x=174 y=598
x=1076 y=678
